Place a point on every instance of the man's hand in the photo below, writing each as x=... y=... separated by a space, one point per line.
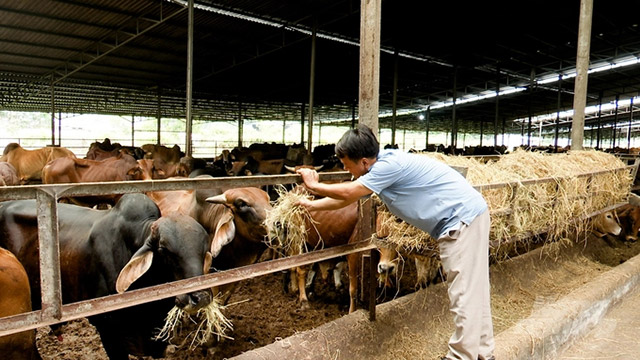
x=309 y=177
x=305 y=203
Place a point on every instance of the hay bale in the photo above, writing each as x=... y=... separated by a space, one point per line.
x=520 y=211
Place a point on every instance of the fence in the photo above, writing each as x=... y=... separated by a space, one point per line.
x=53 y=311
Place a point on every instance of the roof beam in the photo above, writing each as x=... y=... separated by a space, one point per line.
x=98 y=50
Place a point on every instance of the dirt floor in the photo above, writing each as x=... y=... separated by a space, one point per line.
x=264 y=313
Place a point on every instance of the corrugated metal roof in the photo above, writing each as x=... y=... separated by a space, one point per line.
x=257 y=53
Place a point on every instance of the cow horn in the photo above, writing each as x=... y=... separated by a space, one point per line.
x=318 y=167
x=289 y=168
x=218 y=199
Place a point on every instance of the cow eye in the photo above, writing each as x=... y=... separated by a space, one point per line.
x=241 y=203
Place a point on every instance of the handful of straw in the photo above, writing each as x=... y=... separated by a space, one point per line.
x=210 y=321
x=288 y=223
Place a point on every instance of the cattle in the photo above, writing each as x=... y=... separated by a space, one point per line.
x=629 y=217
x=427 y=264
x=122 y=167
x=158 y=169
x=29 y=163
x=606 y=223
x=15 y=298
x=234 y=220
x=8 y=175
x=160 y=152
x=102 y=150
x=251 y=166
x=104 y=252
x=224 y=160
x=330 y=228
x=261 y=151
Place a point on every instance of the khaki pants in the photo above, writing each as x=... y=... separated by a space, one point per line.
x=465 y=259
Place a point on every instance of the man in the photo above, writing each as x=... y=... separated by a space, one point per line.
x=437 y=199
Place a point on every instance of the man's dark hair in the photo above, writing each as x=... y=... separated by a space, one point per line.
x=358 y=143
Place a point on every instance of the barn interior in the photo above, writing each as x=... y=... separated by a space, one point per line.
x=253 y=60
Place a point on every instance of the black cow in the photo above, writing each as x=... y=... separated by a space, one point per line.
x=103 y=252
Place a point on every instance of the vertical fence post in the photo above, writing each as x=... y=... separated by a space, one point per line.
x=50 y=284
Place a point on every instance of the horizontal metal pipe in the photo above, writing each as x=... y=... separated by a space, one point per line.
x=34 y=319
x=122 y=187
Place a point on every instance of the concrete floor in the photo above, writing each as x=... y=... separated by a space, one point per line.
x=616 y=337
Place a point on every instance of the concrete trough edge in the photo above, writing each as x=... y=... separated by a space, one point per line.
x=545 y=333
x=552 y=328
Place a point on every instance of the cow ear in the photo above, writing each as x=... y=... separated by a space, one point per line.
x=208 y=258
x=136 y=267
x=225 y=232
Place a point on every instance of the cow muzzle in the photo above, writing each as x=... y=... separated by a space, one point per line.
x=386 y=268
x=192 y=302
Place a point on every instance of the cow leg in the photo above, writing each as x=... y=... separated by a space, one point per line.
x=337 y=274
x=301 y=272
x=353 y=262
x=324 y=267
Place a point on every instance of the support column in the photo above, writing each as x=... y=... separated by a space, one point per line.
x=630 y=122
x=454 y=121
x=302 y=124
x=312 y=80
x=531 y=80
x=495 y=120
x=189 y=119
x=558 y=113
x=132 y=130
x=395 y=97
x=582 y=67
x=53 y=113
x=599 y=120
x=615 y=123
x=426 y=142
x=59 y=128
x=240 y=125
x=353 y=116
x=159 y=116
x=370 y=14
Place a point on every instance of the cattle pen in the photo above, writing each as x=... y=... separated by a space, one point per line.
x=53 y=311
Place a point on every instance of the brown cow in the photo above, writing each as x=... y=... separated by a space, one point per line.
x=606 y=223
x=234 y=220
x=29 y=163
x=161 y=152
x=15 y=298
x=102 y=150
x=122 y=167
x=8 y=175
x=629 y=217
x=330 y=228
x=153 y=169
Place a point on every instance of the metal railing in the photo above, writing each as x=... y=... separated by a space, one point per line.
x=53 y=311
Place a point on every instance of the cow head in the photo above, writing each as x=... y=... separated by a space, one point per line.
x=248 y=210
x=606 y=223
x=629 y=216
x=176 y=249
x=294 y=169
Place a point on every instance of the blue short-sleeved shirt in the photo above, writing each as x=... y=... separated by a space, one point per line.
x=424 y=192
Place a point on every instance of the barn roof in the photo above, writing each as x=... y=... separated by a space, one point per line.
x=253 y=58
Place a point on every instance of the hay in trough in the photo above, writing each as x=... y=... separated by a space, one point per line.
x=210 y=321
x=288 y=223
x=530 y=194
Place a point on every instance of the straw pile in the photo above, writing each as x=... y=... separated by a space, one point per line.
x=287 y=223
x=520 y=211
x=209 y=320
